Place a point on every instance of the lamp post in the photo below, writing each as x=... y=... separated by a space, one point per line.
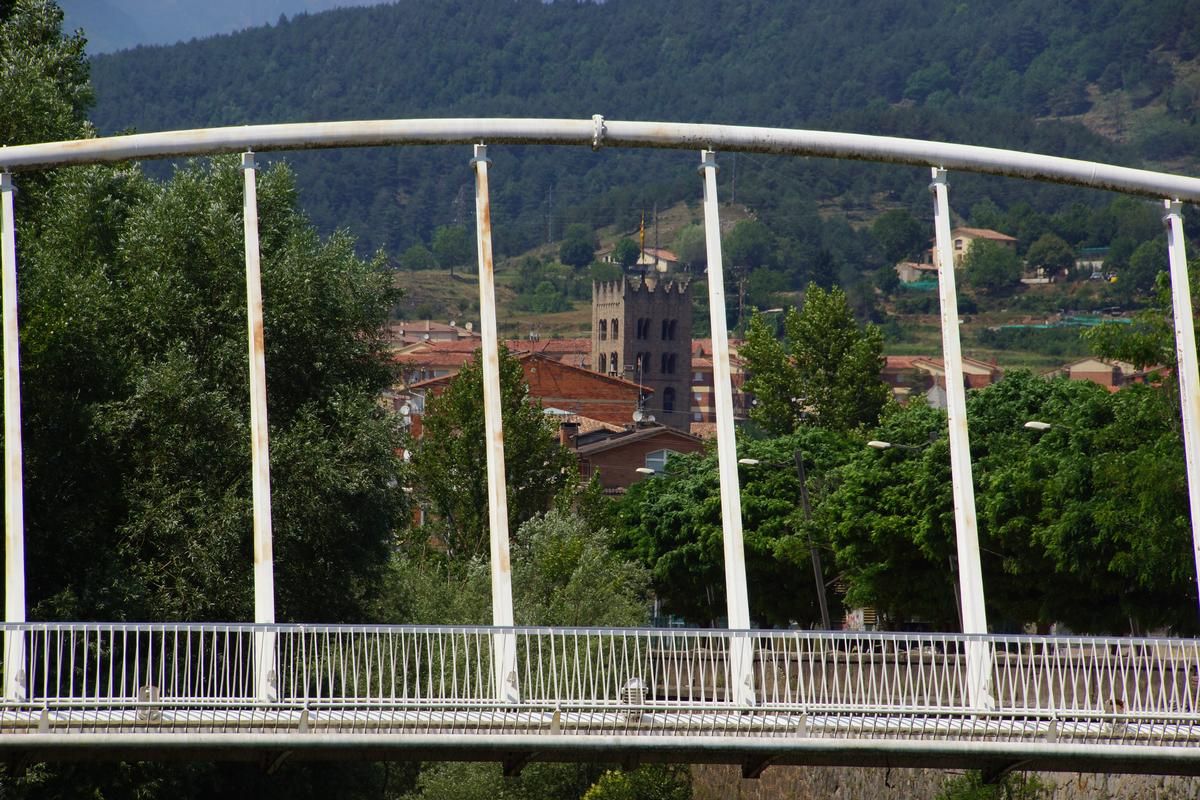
x=813 y=550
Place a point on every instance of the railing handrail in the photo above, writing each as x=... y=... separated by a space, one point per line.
x=648 y=632
x=598 y=132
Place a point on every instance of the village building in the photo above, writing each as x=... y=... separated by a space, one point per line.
x=642 y=331
x=616 y=459
x=554 y=384
x=657 y=259
x=704 y=409
x=408 y=332
x=910 y=376
x=1109 y=373
x=962 y=239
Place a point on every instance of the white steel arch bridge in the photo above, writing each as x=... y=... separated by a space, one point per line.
x=755 y=698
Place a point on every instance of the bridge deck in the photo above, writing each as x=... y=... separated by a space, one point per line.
x=244 y=691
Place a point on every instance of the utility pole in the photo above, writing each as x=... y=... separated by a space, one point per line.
x=814 y=552
x=656 y=248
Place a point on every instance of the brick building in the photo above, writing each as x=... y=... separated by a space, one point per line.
x=562 y=386
x=617 y=458
x=642 y=331
x=704 y=409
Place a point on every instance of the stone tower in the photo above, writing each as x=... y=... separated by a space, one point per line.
x=642 y=331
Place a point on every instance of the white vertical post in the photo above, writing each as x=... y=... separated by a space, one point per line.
x=265 y=685
x=14 y=490
x=737 y=598
x=504 y=648
x=970 y=572
x=1189 y=379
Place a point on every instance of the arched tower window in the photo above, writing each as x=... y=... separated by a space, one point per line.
x=603 y=329
x=602 y=366
x=613 y=366
x=616 y=327
x=668 y=399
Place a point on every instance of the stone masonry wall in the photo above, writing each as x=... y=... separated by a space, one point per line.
x=711 y=782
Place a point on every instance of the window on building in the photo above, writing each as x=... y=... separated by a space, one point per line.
x=958 y=244
x=668 y=399
x=615 y=328
x=671 y=329
x=603 y=365
x=643 y=328
x=657 y=460
x=602 y=330
x=613 y=366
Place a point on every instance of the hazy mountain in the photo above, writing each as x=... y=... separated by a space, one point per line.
x=1110 y=80
x=120 y=24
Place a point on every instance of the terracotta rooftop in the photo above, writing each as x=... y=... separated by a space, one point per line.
x=985 y=233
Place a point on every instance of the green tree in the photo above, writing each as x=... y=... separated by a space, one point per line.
x=890 y=519
x=603 y=272
x=971 y=786
x=157 y=273
x=748 y=245
x=644 y=783
x=546 y=299
x=418 y=257
x=45 y=92
x=899 y=234
x=1062 y=515
x=692 y=247
x=672 y=524
x=1146 y=262
x=626 y=252
x=578 y=246
x=452 y=247
x=448 y=461
x=990 y=266
x=1149 y=340
x=825 y=371
x=1052 y=252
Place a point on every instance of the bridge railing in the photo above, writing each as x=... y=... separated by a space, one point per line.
x=109 y=661
x=128 y=676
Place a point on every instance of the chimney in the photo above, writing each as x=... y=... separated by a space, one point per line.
x=567 y=431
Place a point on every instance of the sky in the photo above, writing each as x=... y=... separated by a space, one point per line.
x=120 y=24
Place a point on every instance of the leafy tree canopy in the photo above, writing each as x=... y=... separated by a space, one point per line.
x=449 y=460
x=748 y=245
x=1052 y=252
x=672 y=524
x=692 y=247
x=1062 y=515
x=825 y=371
x=137 y=410
x=452 y=247
x=418 y=257
x=991 y=266
x=899 y=234
x=578 y=246
x=626 y=252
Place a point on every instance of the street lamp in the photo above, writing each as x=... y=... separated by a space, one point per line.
x=1038 y=425
x=814 y=552
x=645 y=471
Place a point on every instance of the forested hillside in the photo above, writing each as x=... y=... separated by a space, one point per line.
x=1116 y=80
